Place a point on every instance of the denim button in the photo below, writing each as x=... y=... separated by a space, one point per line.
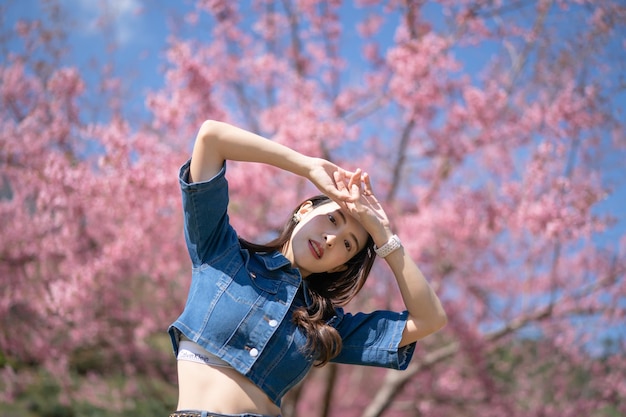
x=254 y=352
x=273 y=323
x=253 y=275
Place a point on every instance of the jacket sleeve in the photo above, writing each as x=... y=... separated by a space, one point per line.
x=372 y=339
x=207 y=228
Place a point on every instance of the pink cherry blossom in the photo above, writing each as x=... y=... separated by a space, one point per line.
x=493 y=135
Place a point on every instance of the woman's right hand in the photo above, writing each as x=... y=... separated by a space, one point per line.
x=329 y=179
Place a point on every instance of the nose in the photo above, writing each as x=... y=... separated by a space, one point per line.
x=330 y=239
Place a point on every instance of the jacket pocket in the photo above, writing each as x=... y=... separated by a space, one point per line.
x=263 y=283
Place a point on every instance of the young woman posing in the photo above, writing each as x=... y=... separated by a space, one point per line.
x=259 y=316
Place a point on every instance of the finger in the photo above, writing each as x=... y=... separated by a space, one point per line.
x=346 y=173
x=355 y=179
x=355 y=186
x=345 y=186
x=367 y=184
x=339 y=178
x=342 y=192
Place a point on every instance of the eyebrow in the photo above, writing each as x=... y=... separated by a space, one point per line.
x=343 y=217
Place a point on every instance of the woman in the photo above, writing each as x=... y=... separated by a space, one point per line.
x=259 y=316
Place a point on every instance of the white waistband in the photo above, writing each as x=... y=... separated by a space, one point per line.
x=193 y=352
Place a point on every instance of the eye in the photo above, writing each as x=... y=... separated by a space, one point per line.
x=332 y=219
x=348 y=245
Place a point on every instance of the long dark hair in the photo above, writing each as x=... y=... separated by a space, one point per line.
x=327 y=290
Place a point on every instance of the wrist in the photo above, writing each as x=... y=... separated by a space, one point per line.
x=380 y=234
x=309 y=166
x=390 y=246
x=302 y=165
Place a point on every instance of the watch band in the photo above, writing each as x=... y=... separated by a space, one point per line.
x=392 y=244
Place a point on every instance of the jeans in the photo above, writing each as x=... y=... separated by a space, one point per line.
x=199 y=413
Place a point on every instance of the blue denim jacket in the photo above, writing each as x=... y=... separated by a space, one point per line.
x=240 y=304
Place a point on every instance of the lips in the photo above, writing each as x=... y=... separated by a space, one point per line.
x=316 y=249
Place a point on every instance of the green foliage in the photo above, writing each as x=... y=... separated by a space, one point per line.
x=536 y=369
x=41 y=399
x=44 y=398
x=98 y=385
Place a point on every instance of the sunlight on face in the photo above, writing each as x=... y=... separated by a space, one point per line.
x=325 y=239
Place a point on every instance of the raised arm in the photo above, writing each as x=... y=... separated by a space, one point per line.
x=426 y=314
x=219 y=141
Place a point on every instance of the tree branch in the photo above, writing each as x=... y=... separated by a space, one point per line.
x=395 y=381
x=296 y=44
x=397 y=169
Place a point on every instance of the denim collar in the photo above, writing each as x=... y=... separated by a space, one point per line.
x=275 y=260
x=305 y=291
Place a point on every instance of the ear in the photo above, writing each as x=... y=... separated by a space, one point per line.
x=305 y=208
x=339 y=268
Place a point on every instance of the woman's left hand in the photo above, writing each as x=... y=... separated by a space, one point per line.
x=364 y=206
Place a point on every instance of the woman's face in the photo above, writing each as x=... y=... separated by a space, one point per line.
x=325 y=239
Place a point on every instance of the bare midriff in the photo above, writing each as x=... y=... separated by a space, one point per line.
x=220 y=390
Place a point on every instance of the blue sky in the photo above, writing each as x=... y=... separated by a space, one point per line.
x=139 y=34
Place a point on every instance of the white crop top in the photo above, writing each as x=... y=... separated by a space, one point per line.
x=193 y=352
